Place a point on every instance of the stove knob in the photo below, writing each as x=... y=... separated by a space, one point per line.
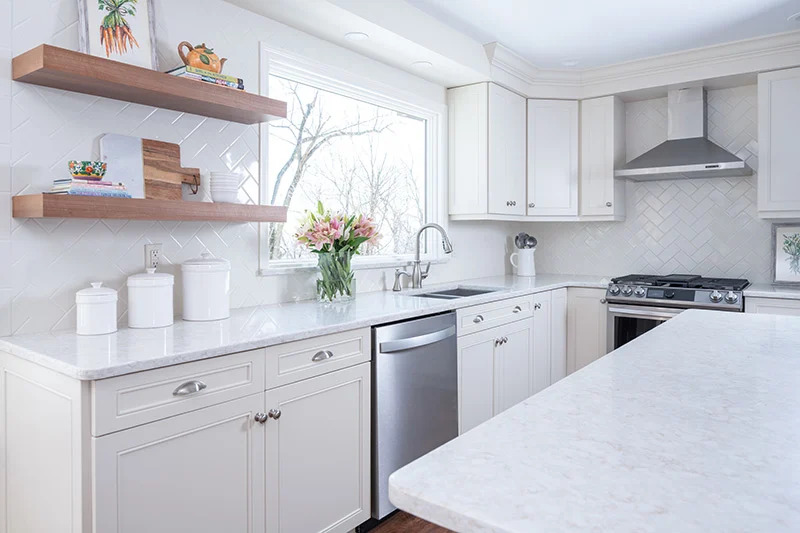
x=613 y=290
x=716 y=297
x=640 y=292
x=731 y=297
x=627 y=291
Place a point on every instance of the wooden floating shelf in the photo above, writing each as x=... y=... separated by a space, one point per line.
x=66 y=206
x=51 y=66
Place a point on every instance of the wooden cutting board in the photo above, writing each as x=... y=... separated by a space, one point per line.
x=163 y=174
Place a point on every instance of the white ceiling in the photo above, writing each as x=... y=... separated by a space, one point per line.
x=591 y=33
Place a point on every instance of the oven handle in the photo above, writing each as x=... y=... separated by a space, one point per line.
x=627 y=311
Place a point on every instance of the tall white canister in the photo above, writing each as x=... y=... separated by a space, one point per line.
x=150 y=299
x=206 y=288
x=96 y=309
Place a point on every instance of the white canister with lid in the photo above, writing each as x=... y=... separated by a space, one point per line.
x=97 y=310
x=150 y=299
x=206 y=288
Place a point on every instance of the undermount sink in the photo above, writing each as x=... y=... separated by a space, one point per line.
x=452 y=294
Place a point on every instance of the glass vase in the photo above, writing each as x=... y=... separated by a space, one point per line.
x=337 y=281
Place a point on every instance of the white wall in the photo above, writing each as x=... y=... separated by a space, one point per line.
x=46 y=261
x=699 y=226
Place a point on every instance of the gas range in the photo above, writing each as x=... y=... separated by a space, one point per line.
x=685 y=291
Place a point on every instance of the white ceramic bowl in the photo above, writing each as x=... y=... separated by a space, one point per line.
x=230 y=197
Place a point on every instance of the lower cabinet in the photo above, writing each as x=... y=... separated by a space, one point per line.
x=200 y=471
x=549 y=338
x=772 y=306
x=318 y=453
x=494 y=371
x=586 y=326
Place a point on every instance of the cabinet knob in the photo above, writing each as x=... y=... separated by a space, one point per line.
x=190 y=387
x=274 y=413
x=603 y=301
x=531 y=205
x=260 y=417
x=608 y=204
x=514 y=203
x=537 y=305
x=478 y=319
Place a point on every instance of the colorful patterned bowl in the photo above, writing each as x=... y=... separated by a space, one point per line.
x=87 y=169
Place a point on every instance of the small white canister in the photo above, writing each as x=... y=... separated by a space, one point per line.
x=206 y=288
x=150 y=299
x=97 y=310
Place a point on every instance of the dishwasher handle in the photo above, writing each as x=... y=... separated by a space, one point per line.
x=416 y=342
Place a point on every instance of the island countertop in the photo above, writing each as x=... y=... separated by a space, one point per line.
x=692 y=427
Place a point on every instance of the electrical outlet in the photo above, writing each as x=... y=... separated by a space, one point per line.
x=152 y=255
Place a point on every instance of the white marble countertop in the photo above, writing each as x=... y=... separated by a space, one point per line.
x=693 y=427
x=765 y=290
x=134 y=350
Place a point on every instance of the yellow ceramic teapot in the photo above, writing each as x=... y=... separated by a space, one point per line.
x=201 y=56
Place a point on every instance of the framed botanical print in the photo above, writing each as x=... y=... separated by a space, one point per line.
x=122 y=30
x=786 y=254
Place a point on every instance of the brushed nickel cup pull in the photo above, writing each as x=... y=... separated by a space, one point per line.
x=517 y=309
x=274 y=413
x=322 y=356
x=478 y=319
x=190 y=387
x=260 y=417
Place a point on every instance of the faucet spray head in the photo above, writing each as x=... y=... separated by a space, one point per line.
x=447 y=245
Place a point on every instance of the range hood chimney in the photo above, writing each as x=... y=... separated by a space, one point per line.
x=686 y=153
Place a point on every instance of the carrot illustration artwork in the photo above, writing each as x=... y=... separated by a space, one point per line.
x=115 y=33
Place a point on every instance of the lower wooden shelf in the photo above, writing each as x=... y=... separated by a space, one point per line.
x=66 y=206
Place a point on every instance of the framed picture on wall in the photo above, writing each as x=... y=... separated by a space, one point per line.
x=122 y=30
x=786 y=254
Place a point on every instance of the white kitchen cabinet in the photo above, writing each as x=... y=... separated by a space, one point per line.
x=772 y=306
x=586 y=326
x=494 y=371
x=549 y=338
x=552 y=158
x=778 y=134
x=602 y=196
x=318 y=453
x=486 y=151
x=200 y=471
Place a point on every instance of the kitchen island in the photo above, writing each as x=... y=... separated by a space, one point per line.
x=692 y=427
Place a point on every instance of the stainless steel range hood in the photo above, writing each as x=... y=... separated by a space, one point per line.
x=686 y=153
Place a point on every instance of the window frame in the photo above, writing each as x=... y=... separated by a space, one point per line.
x=329 y=78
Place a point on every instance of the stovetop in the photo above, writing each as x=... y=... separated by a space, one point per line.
x=688 y=281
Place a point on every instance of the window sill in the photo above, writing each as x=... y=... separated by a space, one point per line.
x=379 y=264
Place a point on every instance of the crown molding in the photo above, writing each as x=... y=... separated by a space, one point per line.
x=771 y=52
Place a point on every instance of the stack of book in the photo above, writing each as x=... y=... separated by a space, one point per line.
x=81 y=187
x=207 y=76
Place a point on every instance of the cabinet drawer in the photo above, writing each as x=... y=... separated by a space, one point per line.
x=293 y=361
x=481 y=317
x=134 y=399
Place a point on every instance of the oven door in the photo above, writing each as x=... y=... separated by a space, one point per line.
x=626 y=322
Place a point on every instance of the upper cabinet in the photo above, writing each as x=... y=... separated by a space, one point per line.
x=552 y=158
x=487 y=151
x=778 y=133
x=602 y=148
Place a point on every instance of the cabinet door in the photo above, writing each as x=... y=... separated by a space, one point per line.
x=558 y=335
x=552 y=157
x=476 y=378
x=772 y=306
x=542 y=341
x=778 y=132
x=468 y=111
x=513 y=365
x=586 y=336
x=201 y=471
x=318 y=454
x=506 y=152
x=602 y=147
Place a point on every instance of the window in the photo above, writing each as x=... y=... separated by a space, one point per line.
x=358 y=152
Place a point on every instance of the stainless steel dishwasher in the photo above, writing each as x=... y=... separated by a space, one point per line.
x=414 y=396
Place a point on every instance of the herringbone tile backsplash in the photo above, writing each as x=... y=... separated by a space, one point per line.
x=700 y=226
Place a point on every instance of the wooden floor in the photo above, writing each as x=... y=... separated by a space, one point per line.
x=406 y=523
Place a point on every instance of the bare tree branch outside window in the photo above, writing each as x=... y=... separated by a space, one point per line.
x=355 y=157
